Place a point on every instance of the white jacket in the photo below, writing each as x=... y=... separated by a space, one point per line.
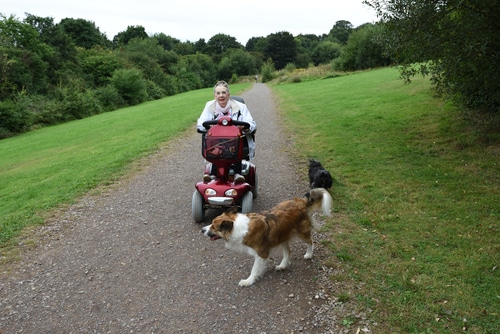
x=239 y=112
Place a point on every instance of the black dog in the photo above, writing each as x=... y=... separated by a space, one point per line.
x=319 y=177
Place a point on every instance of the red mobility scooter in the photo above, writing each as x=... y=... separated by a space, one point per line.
x=225 y=150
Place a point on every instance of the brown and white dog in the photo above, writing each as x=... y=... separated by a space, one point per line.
x=257 y=234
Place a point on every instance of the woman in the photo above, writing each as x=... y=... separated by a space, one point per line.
x=224 y=105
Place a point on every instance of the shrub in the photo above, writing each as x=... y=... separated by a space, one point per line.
x=14 y=118
x=130 y=85
x=109 y=98
x=363 y=50
x=325 y=51
x=170 y=85
x=267 y=71
x=290 y=67
x=44 y=110
x=78 y=104
x=154 y=91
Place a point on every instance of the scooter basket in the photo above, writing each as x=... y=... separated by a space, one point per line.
x=227 y=148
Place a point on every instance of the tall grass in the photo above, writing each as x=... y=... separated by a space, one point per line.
x=417 y=200
x=43 y=169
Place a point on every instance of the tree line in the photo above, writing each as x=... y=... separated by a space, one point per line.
x=52 y=72
x=55 y=72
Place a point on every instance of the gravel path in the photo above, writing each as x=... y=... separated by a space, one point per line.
x=131 y=260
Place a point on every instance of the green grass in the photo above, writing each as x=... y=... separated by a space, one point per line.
x=43 y=169
x=416 y=196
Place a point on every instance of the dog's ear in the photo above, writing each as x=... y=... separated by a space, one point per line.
x=226 y=225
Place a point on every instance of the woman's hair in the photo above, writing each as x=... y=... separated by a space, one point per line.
x=221 y=83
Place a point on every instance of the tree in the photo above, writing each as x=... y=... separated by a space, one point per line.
x=123 y=37
x=325 y=52
x=45 y=26
x=219 y=44
x=305 y=46
x=23 y=56
x=167 y=42
x=455 y=41
x=98 y=66
x=201 y=68
x=84 y=33
x=282 y=48
x=340 y=32
x=64 y=56
x=363 y=50
x=256 y=44
x=200 y=46
x=236 y=62
x=185 y=48
x=308 y=41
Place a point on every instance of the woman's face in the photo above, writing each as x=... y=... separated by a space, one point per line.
x=221 y=94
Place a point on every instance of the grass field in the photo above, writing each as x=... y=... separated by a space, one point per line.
x=43 y=169
x=416 y=193
x=416 y=196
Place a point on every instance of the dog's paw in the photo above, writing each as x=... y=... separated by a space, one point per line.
x=247 y=282
x=283 y=265
x=309 y=252
x=280 y=267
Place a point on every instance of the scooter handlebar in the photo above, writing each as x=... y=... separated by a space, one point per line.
x=208 y=124
x=245 y=125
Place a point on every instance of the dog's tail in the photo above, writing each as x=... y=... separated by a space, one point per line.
x=319 y=199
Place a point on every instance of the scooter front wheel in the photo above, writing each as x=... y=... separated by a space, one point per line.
x=197 y=207
x=247 y=202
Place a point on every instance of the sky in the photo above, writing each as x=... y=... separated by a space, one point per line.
x=191 y=20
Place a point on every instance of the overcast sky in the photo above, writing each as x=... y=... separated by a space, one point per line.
x=190 y=20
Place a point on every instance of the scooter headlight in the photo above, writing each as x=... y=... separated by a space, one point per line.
x=225 y=122
x=231 y=192
x=210 y=192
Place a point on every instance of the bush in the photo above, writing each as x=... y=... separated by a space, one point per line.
x=76 y=104
x=363 y=50
x=130 y=85
x=44 y=111
x=267 y=71
x=14 y=118
x=109 y=98
x=170 y=85
x=154 y=91
x=290 y=67
x=325 y=51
